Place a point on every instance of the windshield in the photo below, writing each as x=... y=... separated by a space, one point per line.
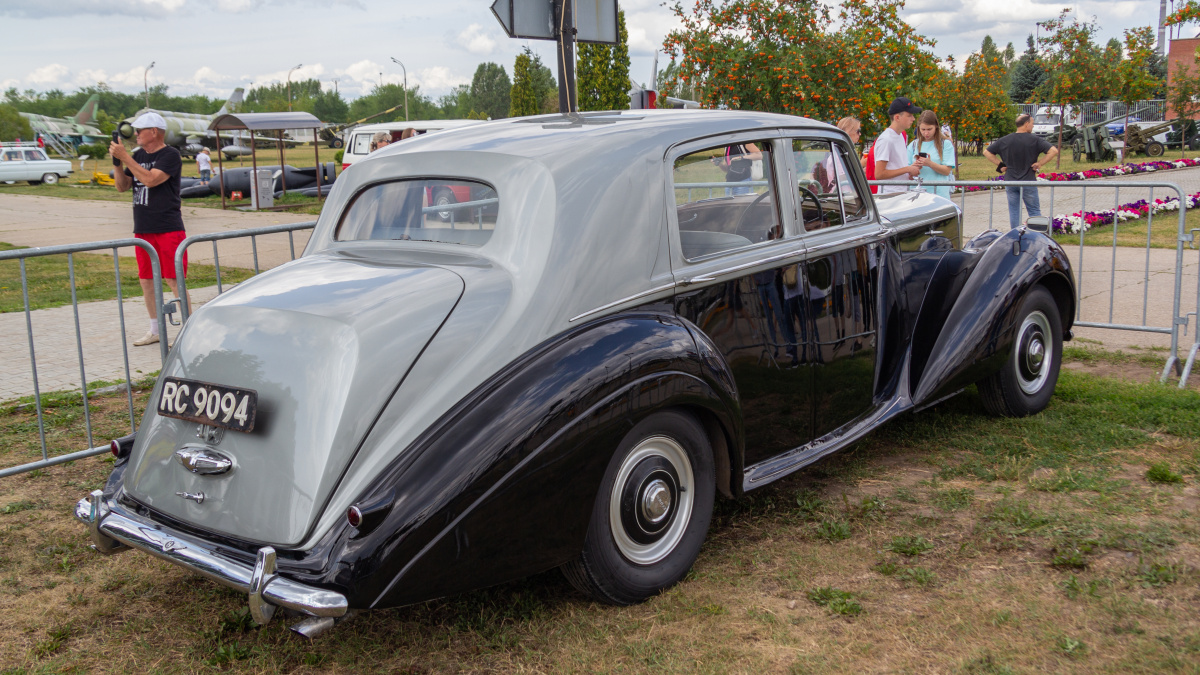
x=447 y=210
x=1045 y=118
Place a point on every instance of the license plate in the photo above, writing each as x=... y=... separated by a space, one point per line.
x=213 y=404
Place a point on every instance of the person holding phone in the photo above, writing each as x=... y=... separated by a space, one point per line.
x=933 y=153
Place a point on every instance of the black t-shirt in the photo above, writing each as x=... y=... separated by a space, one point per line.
x=1019 y=152
x=156 y=209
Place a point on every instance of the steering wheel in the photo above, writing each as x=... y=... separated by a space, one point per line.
x=805 y=193
x=745 y=212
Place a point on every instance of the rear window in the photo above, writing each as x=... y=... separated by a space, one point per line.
x=446 y=210
x=362 y=144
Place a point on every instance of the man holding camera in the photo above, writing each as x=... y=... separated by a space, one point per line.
x=153 y=171
x=1016 y=155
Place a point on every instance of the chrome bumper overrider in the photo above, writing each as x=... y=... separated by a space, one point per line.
x=113 y=529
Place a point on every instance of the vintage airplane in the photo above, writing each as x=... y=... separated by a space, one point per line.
x=77 y=129
x=189 y=131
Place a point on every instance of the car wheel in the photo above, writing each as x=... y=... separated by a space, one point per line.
x=50 y=179
x=651 y=513
x=444 y=197
x=1026 y=382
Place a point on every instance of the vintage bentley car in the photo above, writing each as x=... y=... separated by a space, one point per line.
x=632 y=314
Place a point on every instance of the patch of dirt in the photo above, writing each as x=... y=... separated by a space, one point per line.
x=1129 y=372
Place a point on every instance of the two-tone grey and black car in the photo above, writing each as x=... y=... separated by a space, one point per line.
x=631 y=314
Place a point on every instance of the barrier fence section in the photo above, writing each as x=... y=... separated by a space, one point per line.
x=1177 y=320
x=114 y=245
x=214 y=237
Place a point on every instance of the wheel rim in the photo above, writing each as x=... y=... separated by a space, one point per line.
x=443 y=200
x=1034 y=360
x=651 y=501
x=50 y=179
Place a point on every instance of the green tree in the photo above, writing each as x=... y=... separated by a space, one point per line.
x=992 y=53
x=457 y=104
x=603 y=73
x=329 y=106
x=1027 y=75
x=1183 y=96
x=1077 y=69
x=490 y=90
x=532 y=86
x=1136 y=81
x=12 y=125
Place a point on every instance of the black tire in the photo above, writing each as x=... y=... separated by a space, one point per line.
x=336 y=143
x=1026 y=382
x=631 y=553
x=1194 y=143
x=444 y=197
x=1077 y=149
x=50 y=179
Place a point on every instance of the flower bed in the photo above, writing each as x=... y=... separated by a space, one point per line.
x=1082 y=222
x=1118 y=170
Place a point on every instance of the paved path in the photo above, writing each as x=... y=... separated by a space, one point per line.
x=1144 y=284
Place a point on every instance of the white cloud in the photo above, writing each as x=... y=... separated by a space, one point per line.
x=437 y=78
x=88 y=77
x=134 y=77
x=475 y=40
x=49 y=74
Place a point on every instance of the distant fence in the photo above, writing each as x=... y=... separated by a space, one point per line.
x=1095 y=112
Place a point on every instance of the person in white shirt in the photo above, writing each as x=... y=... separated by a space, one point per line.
x=891 y=148
x=204 y=165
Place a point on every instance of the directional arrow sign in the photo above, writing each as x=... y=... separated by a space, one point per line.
x=528 y=19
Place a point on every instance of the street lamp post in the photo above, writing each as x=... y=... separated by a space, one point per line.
x=289 y=82
x=146 y=83
x=397 y=62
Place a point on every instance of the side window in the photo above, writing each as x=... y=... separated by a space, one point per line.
x=34 y=156
x=822 y=183
x=853 y=205
x=362 y=144
x=725 y=198
x=13 y=155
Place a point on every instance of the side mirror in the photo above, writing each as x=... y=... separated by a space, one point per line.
x=1039 y=224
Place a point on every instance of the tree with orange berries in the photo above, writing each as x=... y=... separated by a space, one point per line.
x=785 y=56
x=1076 y=67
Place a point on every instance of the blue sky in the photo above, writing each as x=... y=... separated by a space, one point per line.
x=212 y=46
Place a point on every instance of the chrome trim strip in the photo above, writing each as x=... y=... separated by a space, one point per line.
x=713 y=276
x=617 y=303
x=117 y=523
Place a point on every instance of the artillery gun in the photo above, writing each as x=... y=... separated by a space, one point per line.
x=1095 y=141
x=1142 y=139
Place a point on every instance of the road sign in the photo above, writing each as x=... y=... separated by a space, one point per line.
x=528 y=19
x=596 y=21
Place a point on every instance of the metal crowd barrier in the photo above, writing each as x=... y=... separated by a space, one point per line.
x=214 y=237
x=1184 y=237
x=21 y=255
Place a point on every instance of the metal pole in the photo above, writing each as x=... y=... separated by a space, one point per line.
x=405 y=70
x=317 y=160
x=564 y=27
x=146 y=83
x=221 y=169
x=254 y=171
x=282 y=171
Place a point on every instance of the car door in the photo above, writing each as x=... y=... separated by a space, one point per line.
x=734 y=261
x=845 y=247
x=13 y=166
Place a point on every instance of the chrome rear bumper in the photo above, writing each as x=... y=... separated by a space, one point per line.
x=114 y=529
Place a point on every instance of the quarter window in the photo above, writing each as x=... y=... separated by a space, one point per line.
x=362 y=144
x=725 y=198
x=451 y=211
x=826 y=193
x=34 y=156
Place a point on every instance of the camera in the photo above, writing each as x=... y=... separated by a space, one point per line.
x=116 y=136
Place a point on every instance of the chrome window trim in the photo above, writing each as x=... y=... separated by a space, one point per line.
x=666 y=290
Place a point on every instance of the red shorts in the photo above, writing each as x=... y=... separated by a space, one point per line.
x=164 y=244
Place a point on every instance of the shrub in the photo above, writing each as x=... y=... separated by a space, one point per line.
x=93 y=150
x=337 y=156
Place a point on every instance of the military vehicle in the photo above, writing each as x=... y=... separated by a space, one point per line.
x=77 y=128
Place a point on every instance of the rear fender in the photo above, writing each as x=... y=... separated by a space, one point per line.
x=977 y=333
x=502 y=486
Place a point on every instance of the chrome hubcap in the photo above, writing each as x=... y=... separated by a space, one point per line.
x=1033 y=364
x=651 y=500
x=656 y=501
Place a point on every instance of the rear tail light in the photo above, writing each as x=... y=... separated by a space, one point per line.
x=366 y=516
x=121 y=447
x=345 y=166
x=354 y=516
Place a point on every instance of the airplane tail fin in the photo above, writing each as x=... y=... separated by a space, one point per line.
x=88 y=112
x=234 y=101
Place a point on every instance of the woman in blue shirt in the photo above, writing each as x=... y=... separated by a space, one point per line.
x=934 y=153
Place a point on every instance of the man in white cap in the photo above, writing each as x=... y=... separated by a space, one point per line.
x=153 y=171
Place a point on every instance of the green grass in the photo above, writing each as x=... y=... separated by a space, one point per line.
x=978 y=545
x=48 y=279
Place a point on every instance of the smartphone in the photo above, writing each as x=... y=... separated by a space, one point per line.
x=922 y=154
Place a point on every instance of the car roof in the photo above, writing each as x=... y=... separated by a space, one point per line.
x=419 y=125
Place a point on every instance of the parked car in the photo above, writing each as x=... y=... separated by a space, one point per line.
x=358 y=139
x=28 y=162
x=416 y=408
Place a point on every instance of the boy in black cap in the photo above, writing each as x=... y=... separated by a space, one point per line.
x=891 y=148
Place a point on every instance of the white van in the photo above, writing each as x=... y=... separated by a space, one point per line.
x=358 y=139
x=1045 y=120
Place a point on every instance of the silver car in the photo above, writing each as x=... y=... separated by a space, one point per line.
x=630 y=315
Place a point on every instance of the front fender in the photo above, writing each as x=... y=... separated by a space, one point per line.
x=503 y=485
x=977 y=334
